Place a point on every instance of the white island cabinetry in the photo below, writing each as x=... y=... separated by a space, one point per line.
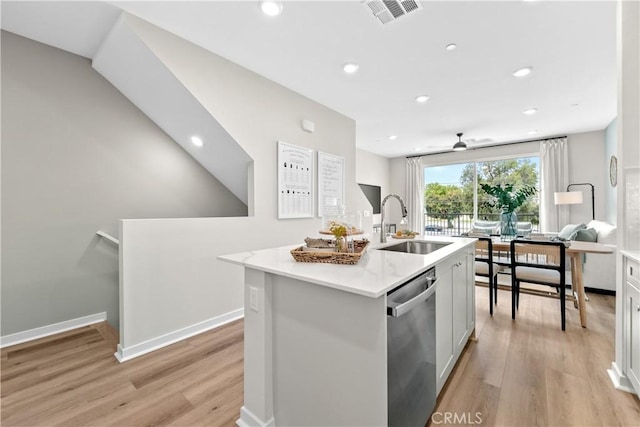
x=316 y=334
x=455 y=311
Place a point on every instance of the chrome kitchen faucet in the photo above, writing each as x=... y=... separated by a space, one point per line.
x=383 y=233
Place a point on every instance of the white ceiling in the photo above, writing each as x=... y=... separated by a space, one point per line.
x=570 y=45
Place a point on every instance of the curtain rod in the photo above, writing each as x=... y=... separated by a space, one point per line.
x=487 y=146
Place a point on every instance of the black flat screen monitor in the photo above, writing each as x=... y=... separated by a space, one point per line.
x=373 y=195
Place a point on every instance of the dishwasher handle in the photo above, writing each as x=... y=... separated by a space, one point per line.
x=406 y=306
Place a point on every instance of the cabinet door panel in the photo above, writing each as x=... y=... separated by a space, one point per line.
x=460 y=301
x=444 y=331
x=632 y=315
x=471 y=291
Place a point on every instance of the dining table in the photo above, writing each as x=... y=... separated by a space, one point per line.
x=574 y=251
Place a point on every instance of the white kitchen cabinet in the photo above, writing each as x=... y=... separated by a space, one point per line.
x=632 y=322
x=444 y=324
x=455 y=312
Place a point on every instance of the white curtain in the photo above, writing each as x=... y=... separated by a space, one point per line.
x=415 y=194
x=554 y=176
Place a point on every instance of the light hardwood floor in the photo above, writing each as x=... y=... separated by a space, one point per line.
x=522 y=373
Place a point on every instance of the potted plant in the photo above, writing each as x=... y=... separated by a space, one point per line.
x=339 y=231
x=508 y=200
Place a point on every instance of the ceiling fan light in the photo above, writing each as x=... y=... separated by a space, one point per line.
x=459 y=146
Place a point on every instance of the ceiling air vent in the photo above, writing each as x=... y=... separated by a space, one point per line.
x=390 y=10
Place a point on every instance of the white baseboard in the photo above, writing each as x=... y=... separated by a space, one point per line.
x=249 y=419
x=127 y=353
x=619 y=380
x=56 y=328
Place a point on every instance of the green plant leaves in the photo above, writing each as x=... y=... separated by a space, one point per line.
x=505 y=198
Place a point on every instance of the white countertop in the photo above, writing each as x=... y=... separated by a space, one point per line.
x=634 y=255
x=376 y=273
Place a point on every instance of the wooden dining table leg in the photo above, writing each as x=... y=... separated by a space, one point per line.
x=576 y=267
x=574 y=286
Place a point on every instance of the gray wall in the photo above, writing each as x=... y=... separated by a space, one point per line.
x=76 y=157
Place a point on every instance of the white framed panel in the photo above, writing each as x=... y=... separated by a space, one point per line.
x=295 y=181
x=331 y=188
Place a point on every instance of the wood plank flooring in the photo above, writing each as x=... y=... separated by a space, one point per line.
x=531 y=373
x=522 y=373
x=72 y=379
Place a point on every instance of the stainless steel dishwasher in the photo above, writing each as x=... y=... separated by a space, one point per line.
x=411 y=351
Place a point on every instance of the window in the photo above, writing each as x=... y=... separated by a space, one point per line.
x=453 y=197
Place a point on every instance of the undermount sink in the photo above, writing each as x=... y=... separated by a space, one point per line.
x=414 y=247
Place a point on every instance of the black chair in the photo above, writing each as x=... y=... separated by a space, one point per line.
x=538 y=262
x=485 y=267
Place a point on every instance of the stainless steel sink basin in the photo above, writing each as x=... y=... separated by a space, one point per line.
x=414 y=247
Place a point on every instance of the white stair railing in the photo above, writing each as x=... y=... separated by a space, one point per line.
x=108 y=237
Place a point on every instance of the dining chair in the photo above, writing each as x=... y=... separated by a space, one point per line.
x=538 y=262
x=485 y=267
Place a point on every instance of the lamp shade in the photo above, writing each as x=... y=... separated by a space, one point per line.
x=567 y=198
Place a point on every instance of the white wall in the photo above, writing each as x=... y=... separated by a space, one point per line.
x=170 y=278
x=587 y=164
x=610 y=149
x=586 y=152
x=628 y=137
x=77 y=157
x=397 y=185
x=628 y=148
x=373 y=169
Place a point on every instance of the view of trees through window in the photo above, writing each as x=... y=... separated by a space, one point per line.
x=453 y=197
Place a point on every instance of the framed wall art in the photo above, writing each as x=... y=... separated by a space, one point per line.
x=330 y=184
x=295 y=181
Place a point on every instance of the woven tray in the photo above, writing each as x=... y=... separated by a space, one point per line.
x=301 y=255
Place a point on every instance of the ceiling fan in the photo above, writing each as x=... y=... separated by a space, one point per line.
x=459 y=146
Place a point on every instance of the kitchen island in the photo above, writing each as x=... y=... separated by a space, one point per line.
x=316 y=334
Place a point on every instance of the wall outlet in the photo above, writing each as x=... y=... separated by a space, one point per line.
x=253 y=298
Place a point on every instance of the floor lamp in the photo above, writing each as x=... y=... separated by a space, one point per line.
x=575 y=197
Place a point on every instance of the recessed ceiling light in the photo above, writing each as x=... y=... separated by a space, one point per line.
x=393 y=137
x=422 y=98
x=532 y=132
x=451 y=46
x=416 y=149
x=521 y=72
x=530 y=111
x=350 y=67
x=271 y=8
x=197 y=141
